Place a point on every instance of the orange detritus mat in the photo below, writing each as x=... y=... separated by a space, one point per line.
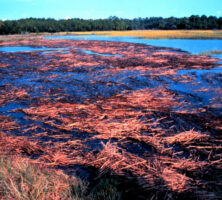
x=149 y=118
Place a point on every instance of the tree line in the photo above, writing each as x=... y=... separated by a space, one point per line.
x=38 y=25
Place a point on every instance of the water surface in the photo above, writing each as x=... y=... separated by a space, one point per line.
x=194 y=46
x=14 y=49
x=47 y=50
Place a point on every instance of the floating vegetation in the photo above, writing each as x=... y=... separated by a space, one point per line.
x=146 y=124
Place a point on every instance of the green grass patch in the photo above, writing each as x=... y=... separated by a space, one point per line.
x=210 y=53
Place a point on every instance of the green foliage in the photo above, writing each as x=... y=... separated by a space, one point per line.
x=106 y=188
x=112 y=23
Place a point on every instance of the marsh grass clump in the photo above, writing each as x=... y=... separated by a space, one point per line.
x=210 y=53
x=22 y=180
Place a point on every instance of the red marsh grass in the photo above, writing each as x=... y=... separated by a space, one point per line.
x=102 y=118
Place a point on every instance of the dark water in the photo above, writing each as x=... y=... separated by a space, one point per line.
x=194 y=46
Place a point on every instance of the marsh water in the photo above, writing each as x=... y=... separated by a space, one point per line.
x=194 y=46
x=200 y=76
x=47 y=50
x=74 y=97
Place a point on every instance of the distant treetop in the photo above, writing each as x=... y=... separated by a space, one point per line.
x=37 y=25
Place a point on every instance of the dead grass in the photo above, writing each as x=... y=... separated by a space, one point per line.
x=156 y=34
x=95 y=116
x=22 y=180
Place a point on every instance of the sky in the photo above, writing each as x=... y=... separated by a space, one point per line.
x=94 y=9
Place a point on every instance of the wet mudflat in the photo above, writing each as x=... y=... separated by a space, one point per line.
x=130 y=111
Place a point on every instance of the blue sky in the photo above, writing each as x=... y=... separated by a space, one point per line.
x=62 y=9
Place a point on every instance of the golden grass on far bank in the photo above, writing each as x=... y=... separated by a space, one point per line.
x=156 y=34
x=143 y=34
